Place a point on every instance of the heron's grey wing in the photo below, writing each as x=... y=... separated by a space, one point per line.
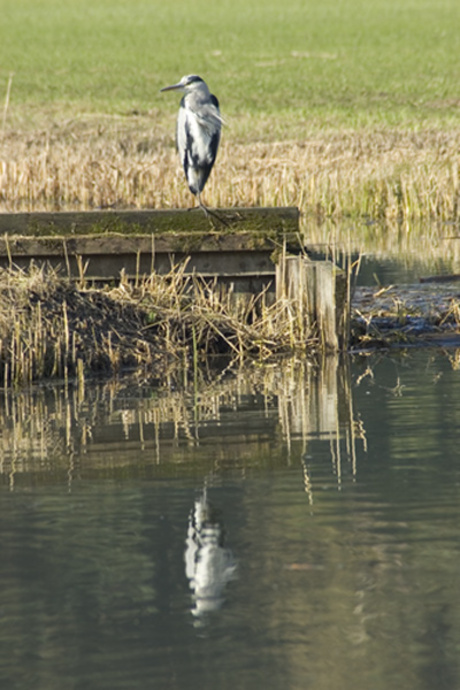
x=209 y=117
x=213 y=146
x=215 y=137
x=181 y=133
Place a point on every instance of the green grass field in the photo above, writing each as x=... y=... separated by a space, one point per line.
x=274 y=65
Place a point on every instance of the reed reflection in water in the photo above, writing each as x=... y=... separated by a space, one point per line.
x=68 y=434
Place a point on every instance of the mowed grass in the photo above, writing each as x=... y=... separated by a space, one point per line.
x=331 y=63
x=344 y=108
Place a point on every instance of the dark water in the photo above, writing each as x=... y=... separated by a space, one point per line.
x=285 y=528
x=408 y=269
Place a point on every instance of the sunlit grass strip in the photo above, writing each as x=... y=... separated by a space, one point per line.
x=381 y=175
x=50 y=328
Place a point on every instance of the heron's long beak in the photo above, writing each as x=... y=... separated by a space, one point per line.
x=173 y=87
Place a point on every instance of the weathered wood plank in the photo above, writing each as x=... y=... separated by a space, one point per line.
x=265 y=220
x=232 y=258
x=174 y=243
x=110 y=266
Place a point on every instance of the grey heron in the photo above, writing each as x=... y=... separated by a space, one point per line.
x=198 y=132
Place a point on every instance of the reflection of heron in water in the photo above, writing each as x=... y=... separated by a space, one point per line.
x=209 y=564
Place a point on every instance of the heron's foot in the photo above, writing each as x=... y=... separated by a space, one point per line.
x=213 y=215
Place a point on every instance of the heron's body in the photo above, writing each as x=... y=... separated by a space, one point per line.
x=198 y=131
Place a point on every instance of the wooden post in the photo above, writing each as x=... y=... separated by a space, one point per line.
x=315 y=290
x=323 y=280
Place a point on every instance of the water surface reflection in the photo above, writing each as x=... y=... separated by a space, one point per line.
x=58 y=434
x=334 y=491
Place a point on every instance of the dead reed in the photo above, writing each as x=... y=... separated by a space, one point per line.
x=49 y=327
x=377 y=174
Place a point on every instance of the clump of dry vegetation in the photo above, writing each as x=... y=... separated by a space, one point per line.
x=49 y=327
x=380 y=174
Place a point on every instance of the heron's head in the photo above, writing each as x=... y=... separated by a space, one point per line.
x=189 y=83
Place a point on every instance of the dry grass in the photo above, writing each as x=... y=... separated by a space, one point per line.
x=51 y=328
x=378 y=174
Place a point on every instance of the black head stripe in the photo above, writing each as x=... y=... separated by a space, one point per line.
x=193 y=78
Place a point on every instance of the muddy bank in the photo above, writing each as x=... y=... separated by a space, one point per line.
x=405 y=315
